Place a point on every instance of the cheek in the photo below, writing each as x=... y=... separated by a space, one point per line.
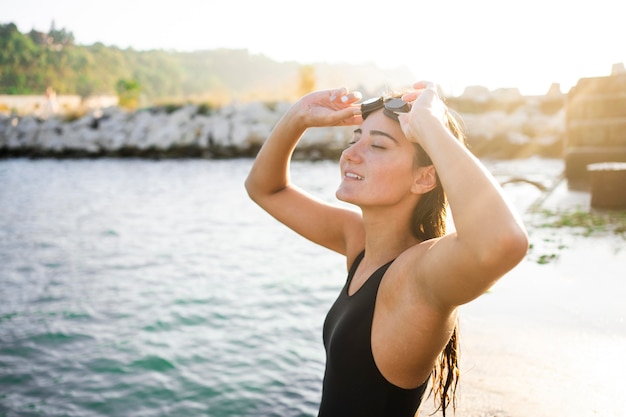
x=396 y=179
x=399 y=169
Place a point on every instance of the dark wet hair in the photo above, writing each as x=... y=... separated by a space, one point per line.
x=429 y=221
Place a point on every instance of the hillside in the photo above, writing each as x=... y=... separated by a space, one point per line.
x=31 y=62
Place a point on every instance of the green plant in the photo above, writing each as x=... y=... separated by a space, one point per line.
x=547 y=242
x=588 y=222
x=204 y=109
x=128 y=92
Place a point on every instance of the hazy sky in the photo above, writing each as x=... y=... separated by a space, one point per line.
x=526 y=44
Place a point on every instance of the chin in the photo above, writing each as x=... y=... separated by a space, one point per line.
x=346 y=197
x=343 y=196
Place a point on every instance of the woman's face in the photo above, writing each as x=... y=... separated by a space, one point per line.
x=378 y=167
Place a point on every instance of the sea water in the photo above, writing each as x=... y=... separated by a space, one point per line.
x=157 y=288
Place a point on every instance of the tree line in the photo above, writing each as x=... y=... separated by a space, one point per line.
x=32 y=62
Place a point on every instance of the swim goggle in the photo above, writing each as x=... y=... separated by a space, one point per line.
x=391 y=107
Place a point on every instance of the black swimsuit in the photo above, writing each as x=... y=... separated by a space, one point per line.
x=353 y=385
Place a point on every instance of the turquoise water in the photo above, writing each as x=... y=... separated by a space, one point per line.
x=156 y=288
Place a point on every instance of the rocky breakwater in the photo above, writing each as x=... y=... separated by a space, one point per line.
x=500 y=124
x=237 y=130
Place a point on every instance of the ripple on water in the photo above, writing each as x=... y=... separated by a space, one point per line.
x=153 y=363
x=106 y=365
x=50 y=339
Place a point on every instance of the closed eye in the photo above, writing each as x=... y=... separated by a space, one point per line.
x=356 y=135
x=376 y=139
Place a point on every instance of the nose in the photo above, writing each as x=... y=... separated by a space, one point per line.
x=352 y=153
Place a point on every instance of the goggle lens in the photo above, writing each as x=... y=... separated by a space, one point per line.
x=391 y=107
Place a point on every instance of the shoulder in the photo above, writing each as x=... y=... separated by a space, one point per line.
x=407 y=279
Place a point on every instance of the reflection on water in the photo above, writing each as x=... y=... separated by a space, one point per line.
x=151 y=288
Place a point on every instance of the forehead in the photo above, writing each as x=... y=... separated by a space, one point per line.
x=377 y=121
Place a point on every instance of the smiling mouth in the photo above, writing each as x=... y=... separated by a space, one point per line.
x=353 y=176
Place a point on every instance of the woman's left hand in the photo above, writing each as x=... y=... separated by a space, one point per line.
x=426 y=104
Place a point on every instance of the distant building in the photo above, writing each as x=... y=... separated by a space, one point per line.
x=595 y=128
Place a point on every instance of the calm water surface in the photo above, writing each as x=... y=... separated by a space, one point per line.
x=156 y=288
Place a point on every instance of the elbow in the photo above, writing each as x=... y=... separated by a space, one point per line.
x=248 y=185
x=506 y=250
x=512 y=247
x=251 y=188
x=258 y=191
x=517 y=245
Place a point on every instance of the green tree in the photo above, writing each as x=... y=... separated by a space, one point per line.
x=17 y=55
x=60 y=37
x=128 y=92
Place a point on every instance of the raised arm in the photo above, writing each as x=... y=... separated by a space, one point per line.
x=489 y=239
x=268 y=182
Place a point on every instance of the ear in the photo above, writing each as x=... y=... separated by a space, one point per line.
x=425 y=179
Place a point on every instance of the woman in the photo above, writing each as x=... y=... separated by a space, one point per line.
x=394 y=323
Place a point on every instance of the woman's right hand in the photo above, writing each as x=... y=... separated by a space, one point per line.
x=328 y=108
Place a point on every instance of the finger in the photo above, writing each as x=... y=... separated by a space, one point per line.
x=337 y=93
x=348 y=116
x=410 y=97
x=425 y=85
x=343 y=96
x=352 y=97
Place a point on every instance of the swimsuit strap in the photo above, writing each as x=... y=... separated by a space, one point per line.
x=356 y=263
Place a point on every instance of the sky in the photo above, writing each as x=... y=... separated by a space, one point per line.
x=528 y=44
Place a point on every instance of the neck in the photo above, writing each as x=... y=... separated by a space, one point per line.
x=387 y=235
